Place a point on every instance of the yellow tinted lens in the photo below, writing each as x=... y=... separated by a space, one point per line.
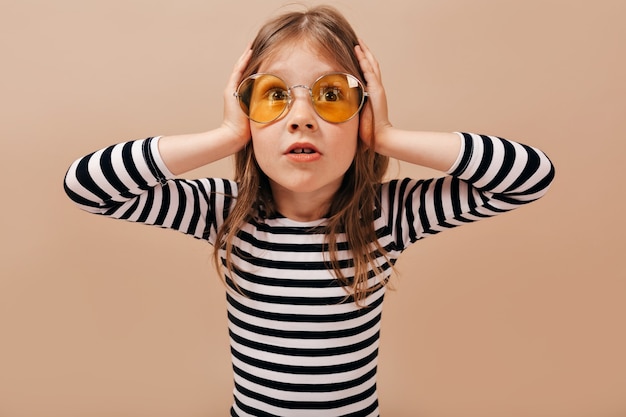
x=263 y=97
x=337 y=97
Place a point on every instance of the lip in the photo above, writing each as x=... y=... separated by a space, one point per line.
x=303 y=157
x=299 y=145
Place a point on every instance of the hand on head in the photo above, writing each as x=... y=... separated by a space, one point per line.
x=374 y=119
x=374 y=116
x=234 y=118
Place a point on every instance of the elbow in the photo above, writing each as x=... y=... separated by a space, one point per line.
x=543 y=179
x=548 y=179
x=77 y=192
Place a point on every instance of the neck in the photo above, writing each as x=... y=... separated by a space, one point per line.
x=302 y=207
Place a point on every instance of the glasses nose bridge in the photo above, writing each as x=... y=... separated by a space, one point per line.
x=306 y=87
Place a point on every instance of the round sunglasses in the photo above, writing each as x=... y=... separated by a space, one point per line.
x=336 y=97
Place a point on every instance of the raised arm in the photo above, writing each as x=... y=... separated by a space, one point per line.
x=437 y=150
x=136 y=180
x=182 y=153
x=488 y=175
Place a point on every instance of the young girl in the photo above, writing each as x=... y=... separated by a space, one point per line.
x=307 y=234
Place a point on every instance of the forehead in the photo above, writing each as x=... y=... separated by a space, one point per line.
x=299 y=60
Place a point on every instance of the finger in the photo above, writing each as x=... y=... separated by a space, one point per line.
x=367 y=53
x=243 y=59
x=372 y=79
x=376 y=106
x=366 y=67
x=239 y=67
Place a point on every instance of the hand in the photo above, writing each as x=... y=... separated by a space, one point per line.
x=235 y=120
x=374 y=123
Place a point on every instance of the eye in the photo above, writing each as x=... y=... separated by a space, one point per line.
x=276 y=94
x=330 y=94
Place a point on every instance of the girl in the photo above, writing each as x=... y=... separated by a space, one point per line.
x=307 y=233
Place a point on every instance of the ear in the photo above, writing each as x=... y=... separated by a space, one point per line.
x=366 y=124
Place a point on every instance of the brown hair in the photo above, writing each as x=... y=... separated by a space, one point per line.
x=352 y=209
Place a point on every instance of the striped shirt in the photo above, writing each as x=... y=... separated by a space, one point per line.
x=299 y=346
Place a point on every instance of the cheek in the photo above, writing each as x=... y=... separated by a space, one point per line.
x=349 y=135
x=262 y=146
x=260 y=136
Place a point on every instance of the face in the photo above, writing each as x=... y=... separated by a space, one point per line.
x=304 y=156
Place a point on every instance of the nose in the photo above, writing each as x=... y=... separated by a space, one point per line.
x=302 y=115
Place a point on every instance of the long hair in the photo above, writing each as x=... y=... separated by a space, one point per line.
x=352 y=209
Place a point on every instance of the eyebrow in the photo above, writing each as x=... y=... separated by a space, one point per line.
x=313 y=79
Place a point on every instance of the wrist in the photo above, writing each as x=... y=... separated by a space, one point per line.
x=382 y=139
x=235 y=137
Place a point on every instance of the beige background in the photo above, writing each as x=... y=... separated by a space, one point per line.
x=519 y=316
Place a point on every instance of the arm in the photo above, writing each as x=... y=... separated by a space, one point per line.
x=446 y=152
x=182 y=153
x=129 y=181
x=491 y=176
x=135 y=180
x=437 y=150
x=488 y=175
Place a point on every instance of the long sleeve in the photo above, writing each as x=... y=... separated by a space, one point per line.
x=130 y=181
x=491 y=176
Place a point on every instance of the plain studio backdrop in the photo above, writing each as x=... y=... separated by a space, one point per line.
x=522 y=315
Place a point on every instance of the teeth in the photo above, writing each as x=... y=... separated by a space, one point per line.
x=303 y=150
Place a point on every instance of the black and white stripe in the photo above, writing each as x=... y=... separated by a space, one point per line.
x=300 y=346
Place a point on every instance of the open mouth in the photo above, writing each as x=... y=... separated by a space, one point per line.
x=302 y=150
